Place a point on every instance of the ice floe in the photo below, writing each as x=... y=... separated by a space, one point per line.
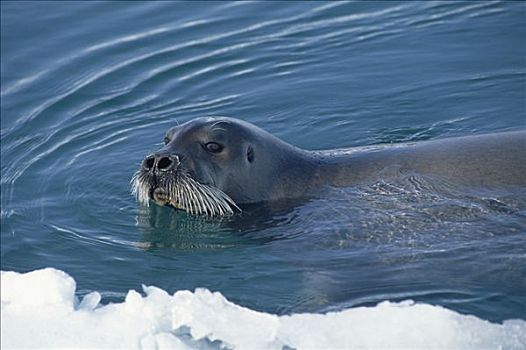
x=39 y=310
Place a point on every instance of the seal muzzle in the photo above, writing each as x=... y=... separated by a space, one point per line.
x=163 y=179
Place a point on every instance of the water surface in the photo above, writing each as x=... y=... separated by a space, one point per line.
x=89 y=88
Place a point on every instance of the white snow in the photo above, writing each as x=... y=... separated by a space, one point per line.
x=39 y=310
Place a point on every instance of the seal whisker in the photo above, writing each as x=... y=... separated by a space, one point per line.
x=208 y=203
x=179 y=197
x=198 y=191
x=221 y=202
x=185 y=196
x=139 y=188
x=202 y=202
x=212 y=202
x=171 y=191
x=183 y=203
x=206 y=206
x=222 y=208
x=188 y=200
x=183 y=192
x=196 y=200
x=215 y=205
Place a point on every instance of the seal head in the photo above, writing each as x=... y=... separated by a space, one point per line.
x=209 y=165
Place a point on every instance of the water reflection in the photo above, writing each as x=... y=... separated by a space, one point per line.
x=258 y=224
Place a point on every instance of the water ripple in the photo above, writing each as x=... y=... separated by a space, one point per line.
x=81 y=106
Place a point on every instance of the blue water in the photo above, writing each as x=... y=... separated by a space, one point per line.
x=89 y=88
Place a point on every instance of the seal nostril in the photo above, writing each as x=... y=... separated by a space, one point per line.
x=149 y=162
x=164 y=163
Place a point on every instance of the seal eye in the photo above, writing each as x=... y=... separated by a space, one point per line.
x=213 y=147
x=166 y=140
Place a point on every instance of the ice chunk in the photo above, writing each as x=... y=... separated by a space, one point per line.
x=46 y=287
x=38 y=310
x=90 y=301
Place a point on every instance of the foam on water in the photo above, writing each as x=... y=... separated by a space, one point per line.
x=39 y=309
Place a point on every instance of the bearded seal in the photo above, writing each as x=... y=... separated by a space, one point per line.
x=211 y=165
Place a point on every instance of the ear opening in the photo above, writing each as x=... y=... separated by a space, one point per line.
x=250 y=154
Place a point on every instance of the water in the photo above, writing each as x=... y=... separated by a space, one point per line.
x=88 y=89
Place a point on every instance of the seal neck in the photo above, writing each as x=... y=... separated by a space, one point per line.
x=347 y=166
